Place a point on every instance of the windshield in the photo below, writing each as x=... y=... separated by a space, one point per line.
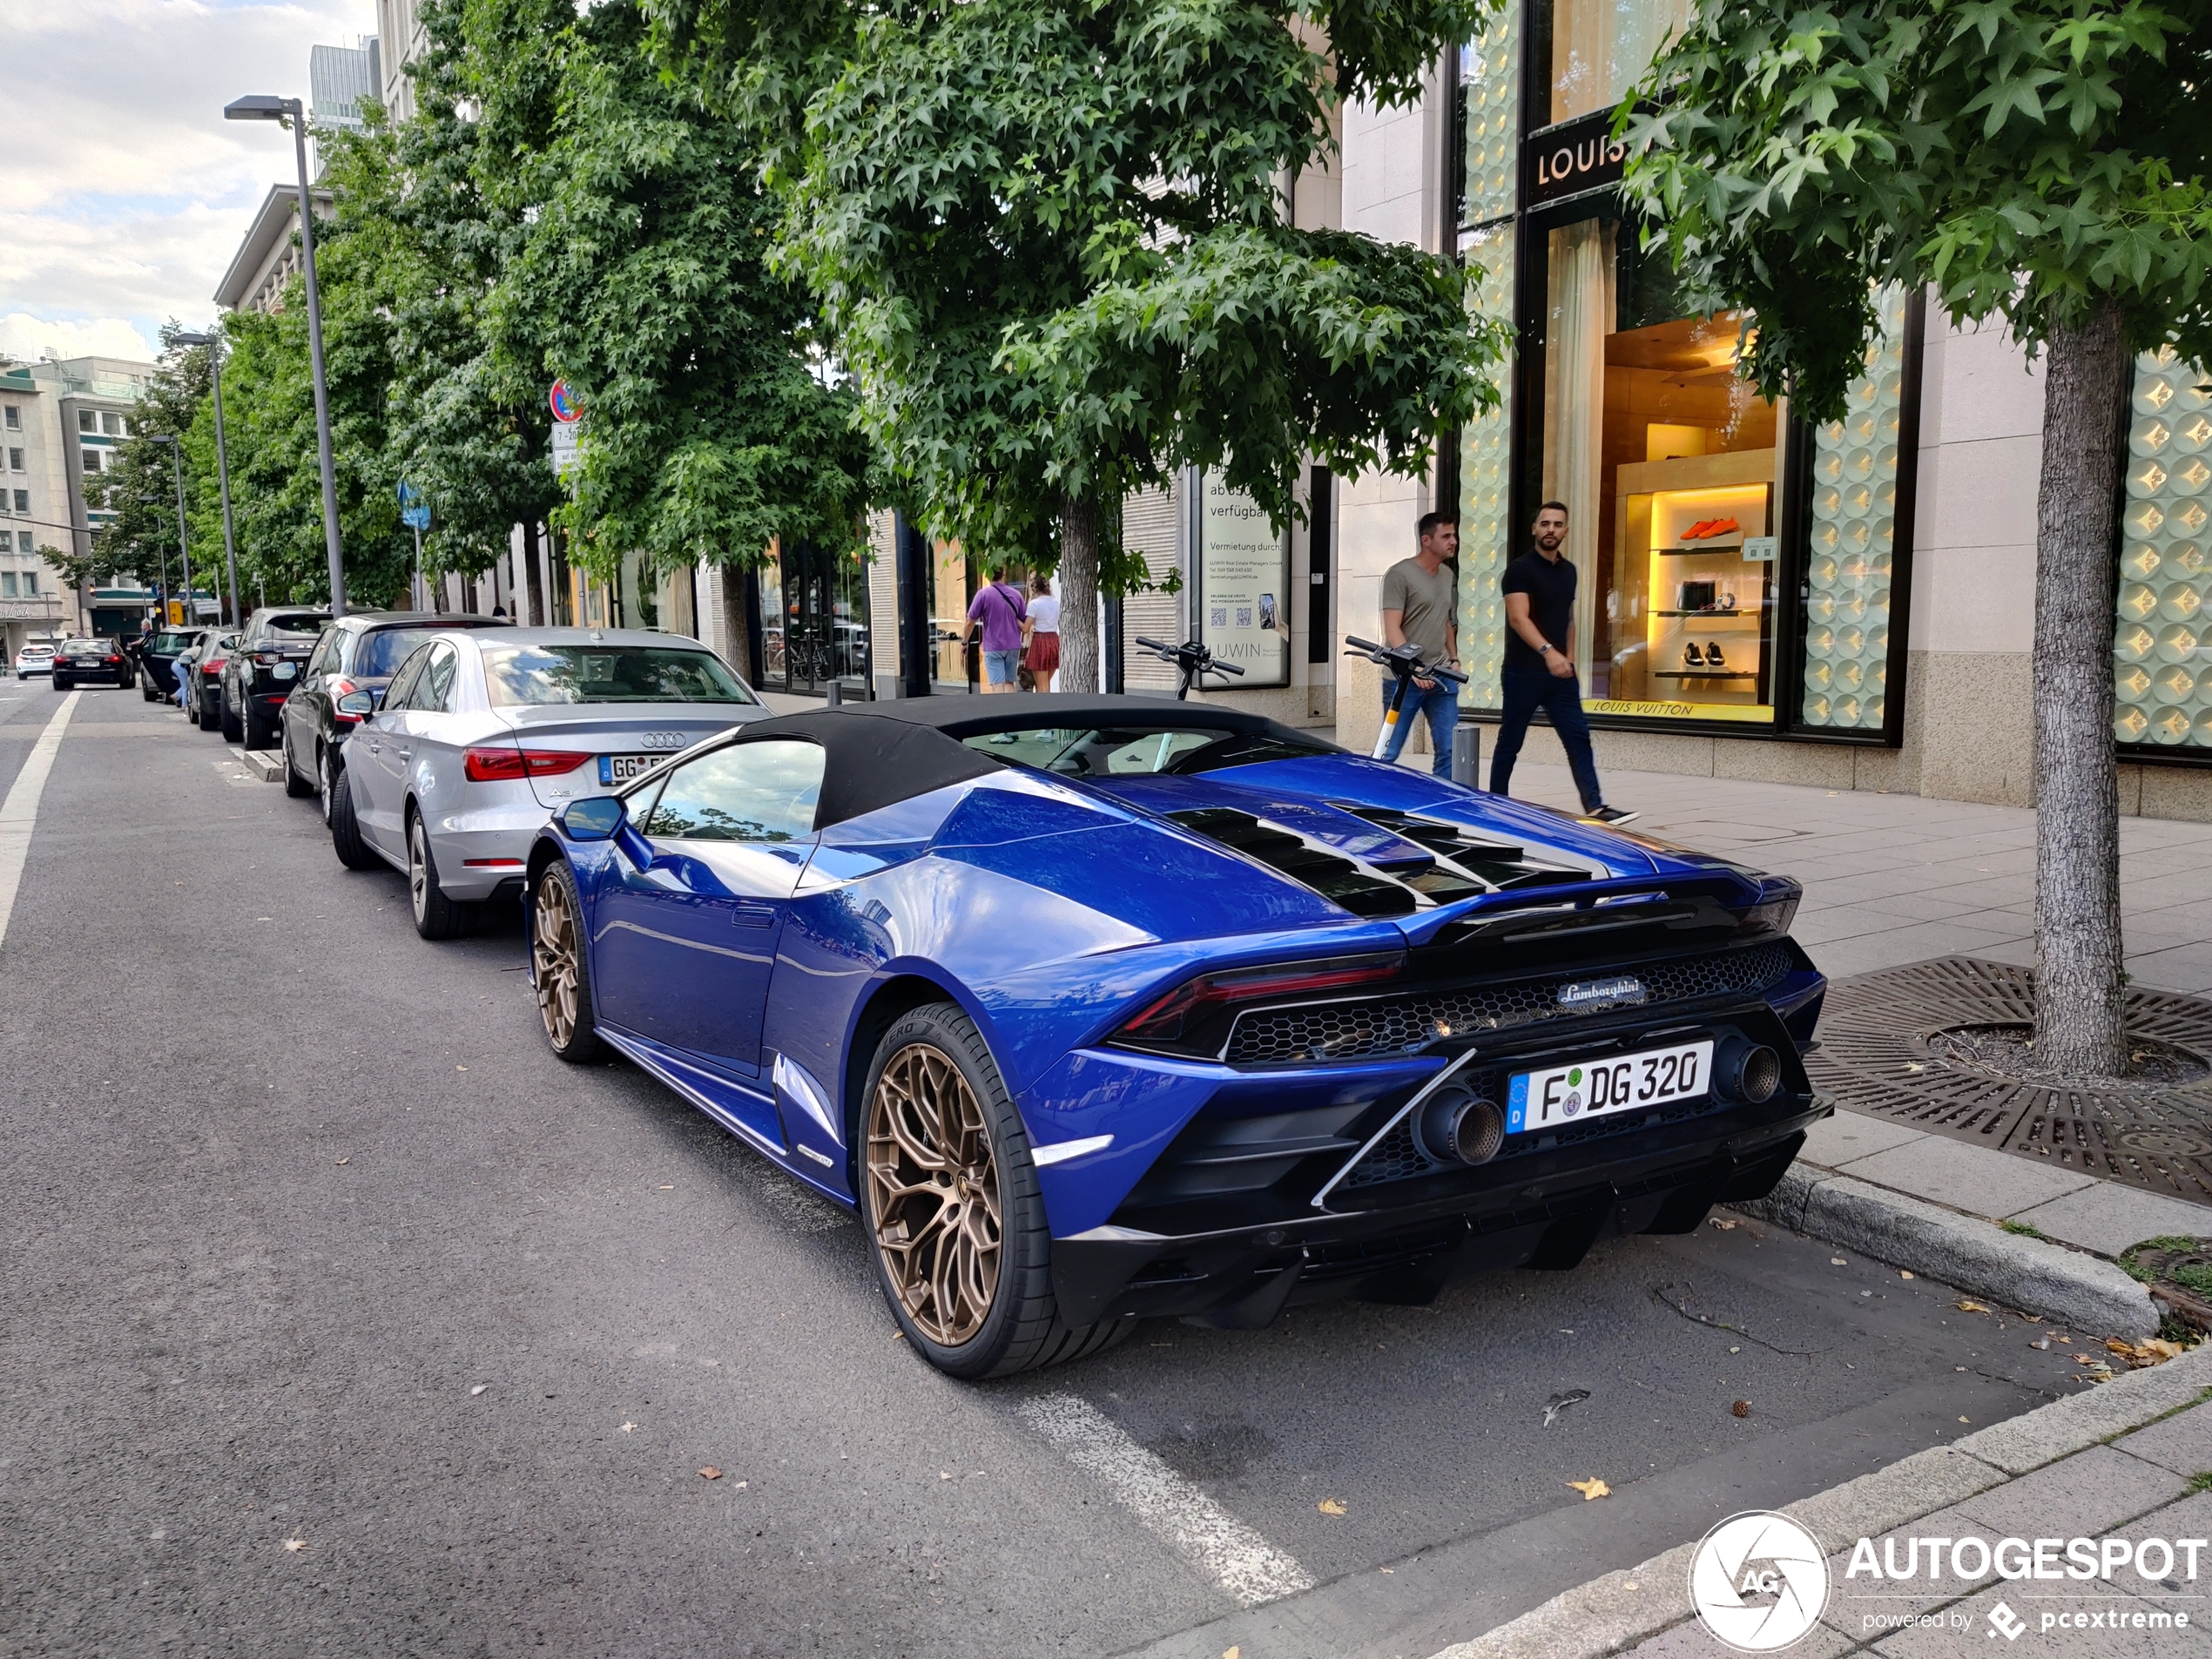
x=298 y=623
x=1120 y=752
x=519 y=675
x=378 y=653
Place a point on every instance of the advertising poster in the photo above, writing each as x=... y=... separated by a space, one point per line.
x=1244 y=598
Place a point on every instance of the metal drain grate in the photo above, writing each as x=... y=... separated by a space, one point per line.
x=1873 y=1057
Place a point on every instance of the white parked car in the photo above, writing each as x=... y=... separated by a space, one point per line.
x=34 y=660
x=481 y=736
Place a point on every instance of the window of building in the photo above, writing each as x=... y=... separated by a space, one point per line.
x=88 y=421
x=7 y=585
x=91 y=461
x=15 y=461
x=23 y=541
x=13 y=415
x=29 y=577
x=2161 y=647
x=113 y=425
x=23 y=500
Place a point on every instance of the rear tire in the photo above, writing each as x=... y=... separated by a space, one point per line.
x=61 y=685
x=232 y=731
x=561 y=965
x=253 y=731
x=211 y=712
x=345 y=829
x=949 y=1201
x=145 y=689
x=435 y=915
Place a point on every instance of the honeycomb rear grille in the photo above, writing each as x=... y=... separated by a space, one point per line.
x=1404 y=1024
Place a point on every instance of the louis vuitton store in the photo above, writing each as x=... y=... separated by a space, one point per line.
x=1848 y=604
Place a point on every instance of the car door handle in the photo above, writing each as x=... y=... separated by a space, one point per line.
x=745 y=914
x=407 y=754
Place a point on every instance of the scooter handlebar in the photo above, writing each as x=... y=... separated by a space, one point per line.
x=1401 y=659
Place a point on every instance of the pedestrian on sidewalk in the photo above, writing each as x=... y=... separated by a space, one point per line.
x=1420 y=605
x=997 y=612
x=1539 y=668
x=1041 y=634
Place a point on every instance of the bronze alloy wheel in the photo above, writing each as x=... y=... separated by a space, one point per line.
x=554 y=944
x=934 y=1191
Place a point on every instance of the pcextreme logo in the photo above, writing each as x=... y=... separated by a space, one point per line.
x=1758 y=1582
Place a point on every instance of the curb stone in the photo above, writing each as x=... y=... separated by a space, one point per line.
x=2064 y=1286
x=1620 y=1610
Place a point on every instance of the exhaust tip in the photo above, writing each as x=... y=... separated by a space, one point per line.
x=1459 y=1126
x=1753 y=1073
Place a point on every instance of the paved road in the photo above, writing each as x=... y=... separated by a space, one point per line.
x=337 y=1317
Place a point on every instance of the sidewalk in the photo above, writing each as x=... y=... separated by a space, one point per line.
x=2131 y=1460
x=1897 y=879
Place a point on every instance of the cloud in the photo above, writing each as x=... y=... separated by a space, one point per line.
x=28 y=338
x=126 y=193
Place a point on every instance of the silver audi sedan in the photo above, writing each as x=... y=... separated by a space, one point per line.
x=481 y=735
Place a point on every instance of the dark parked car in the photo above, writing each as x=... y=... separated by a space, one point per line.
x=274 y=647
x=353 y=661
x=98 y=660
x=157 y=655
x=206 y=709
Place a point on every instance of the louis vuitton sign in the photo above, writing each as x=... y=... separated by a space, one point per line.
x=1571 y=158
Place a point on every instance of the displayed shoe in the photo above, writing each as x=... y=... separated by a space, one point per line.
x=1698 y=531
x=1722 y=526
x=1689 y=657
x=1610 y=816
x=1713 y=657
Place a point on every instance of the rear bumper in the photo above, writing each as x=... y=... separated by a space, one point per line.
x=482 y=849
x=1544 y=1211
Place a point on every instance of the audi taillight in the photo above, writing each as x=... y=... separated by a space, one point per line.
x=510 y=766
x=1167 y=1019
x=210 y=668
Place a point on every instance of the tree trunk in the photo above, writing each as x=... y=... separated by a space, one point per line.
x=1079 y=524
x=737 y=623
x=533 y=607
x=2080 y=1013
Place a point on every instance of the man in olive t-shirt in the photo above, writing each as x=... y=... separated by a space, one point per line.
x=1420 y=604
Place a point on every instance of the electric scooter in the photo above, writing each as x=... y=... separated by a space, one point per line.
x=1191 y=662
x=1403 y=661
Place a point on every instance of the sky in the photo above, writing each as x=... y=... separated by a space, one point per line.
x=124 y=193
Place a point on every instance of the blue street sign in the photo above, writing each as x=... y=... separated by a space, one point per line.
x=414 y=512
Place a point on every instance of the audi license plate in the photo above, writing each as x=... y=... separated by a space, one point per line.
x=620 y=769
x=1546 y=1099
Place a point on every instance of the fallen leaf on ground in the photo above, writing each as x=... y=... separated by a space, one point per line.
x=1330 y=1507
x=1904 y=1273
x=2114 y=1345
x=1838 y=1261
x=742 y=1484
x=710 y=1472
x=345 y=1160
x=1726 y=1226
x=1592 y=1488
x=2085 y=1359
x=2043 y=1343
x=1962 y=1419
x=1742 y=1408
x=1232 y=1653
x=1967 y=1305
x=478 y=1389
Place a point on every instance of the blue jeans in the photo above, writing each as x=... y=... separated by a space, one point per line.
x=183 y=671
x=1526 y=690
x=1441 y=704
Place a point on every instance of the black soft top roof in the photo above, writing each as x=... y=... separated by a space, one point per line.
x=882 y=753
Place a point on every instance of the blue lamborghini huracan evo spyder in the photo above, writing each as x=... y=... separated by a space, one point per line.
x=1104 y=1008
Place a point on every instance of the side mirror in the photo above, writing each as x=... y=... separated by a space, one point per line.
x=596 y=818
x=357 y=703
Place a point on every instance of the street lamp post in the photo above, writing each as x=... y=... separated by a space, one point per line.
x=222 y=461
x=183 y=550
x=263 y=107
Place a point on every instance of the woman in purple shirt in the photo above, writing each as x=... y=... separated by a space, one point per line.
x=998 y=611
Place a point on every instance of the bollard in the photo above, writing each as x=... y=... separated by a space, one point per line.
x=834 y=692
x=1467 y=754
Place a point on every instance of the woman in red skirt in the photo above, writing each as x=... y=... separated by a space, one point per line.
x=1041 y=648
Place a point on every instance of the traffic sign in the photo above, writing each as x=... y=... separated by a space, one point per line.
x=566 y=406
x=567 y=450
x=414 y=512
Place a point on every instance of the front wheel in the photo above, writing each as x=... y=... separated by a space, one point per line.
x=560 y=966
x=297 y=787
x=435 y=915
x=949 y=1201
x=232 y=731
x=345 y=829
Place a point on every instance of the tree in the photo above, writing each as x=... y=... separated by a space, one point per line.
x=710 y=431
x=139 y=484
x=1048 y=239
x=2041 y=161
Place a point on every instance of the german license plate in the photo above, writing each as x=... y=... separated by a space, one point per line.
x=1625 y=1082
x=620 y=769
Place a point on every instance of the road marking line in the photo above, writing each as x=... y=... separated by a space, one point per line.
x=19 y=812
x=1225 y=1549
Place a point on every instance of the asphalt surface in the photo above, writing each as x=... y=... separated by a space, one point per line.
x=338 y=1317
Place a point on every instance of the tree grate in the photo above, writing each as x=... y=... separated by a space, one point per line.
x=1874 y=1057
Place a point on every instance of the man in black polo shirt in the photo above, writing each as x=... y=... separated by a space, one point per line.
x=1539 y=669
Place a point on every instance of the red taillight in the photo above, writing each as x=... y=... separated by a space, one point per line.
x=115 y=659
x=211 y=668
x=268 y=658
x=493 y=864
x=1166 y=1019
x=508 y=766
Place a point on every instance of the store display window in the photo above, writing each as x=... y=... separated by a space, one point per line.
x=2162 y=643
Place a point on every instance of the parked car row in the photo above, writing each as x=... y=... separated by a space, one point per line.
x=1096 y=1009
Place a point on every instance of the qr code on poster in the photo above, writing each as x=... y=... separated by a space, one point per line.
x=1219 y=616
x=1244 y=616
